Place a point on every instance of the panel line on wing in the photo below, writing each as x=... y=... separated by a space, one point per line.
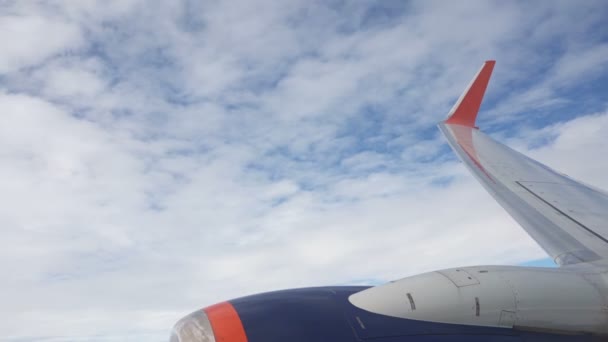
x=562 y=212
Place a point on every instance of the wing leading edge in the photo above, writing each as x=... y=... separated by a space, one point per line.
x=568 y=219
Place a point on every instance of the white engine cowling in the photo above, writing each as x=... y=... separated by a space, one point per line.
x=499 y=296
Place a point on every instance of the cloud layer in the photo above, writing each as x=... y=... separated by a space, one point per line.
x=157 y=157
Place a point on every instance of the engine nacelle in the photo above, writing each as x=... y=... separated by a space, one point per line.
x=533 y=298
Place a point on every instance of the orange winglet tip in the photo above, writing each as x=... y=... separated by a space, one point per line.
x=466 y=108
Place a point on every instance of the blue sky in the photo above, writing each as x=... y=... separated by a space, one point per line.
x=158 y=157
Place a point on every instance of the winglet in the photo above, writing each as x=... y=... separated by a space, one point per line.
x=465 y=110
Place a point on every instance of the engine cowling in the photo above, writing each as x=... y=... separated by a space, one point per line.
x=530 y=298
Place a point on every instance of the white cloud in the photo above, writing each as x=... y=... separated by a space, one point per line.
x=30 y=39
x=576 y=148
x=156 y=158
x=72 y=82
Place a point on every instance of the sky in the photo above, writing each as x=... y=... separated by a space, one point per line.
x=159 y=157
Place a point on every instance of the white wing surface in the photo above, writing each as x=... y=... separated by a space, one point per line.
x=568 y=219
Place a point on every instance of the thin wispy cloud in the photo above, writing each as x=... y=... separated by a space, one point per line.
x=157 y=157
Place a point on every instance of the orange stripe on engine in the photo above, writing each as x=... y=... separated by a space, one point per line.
x=226 y=323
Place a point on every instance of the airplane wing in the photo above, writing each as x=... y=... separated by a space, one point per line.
x=568 y=219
